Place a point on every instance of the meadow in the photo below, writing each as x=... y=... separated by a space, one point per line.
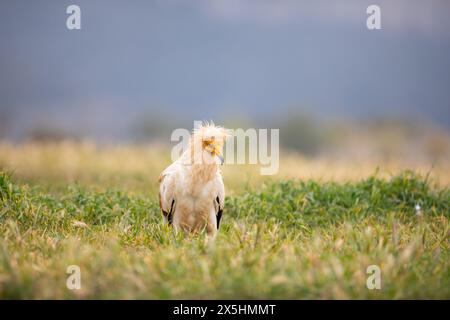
x=309 y=232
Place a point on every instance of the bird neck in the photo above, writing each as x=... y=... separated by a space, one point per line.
x=202 y=164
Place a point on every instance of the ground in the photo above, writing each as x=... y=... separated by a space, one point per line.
x=310 y=232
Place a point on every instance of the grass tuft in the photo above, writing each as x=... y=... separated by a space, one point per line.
x=288 y=239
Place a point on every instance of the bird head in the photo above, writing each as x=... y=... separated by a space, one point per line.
x=212 y=139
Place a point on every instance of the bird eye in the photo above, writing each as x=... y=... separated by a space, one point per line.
x=206 y=143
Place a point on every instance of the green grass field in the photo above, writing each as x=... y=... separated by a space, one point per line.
x=280 y=238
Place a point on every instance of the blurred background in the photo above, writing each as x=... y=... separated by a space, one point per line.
x=137 y=70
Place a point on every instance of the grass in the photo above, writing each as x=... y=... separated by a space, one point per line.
x=301 y=234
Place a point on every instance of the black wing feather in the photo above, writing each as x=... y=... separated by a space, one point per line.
x=219 y=213
x=169 y=215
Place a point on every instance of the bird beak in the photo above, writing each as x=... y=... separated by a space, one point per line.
x=221 y=159
x=216 y=151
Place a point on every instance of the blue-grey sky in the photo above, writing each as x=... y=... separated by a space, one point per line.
x=211 y=59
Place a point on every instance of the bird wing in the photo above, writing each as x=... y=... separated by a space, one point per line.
x=167 y=192
x=219 y=201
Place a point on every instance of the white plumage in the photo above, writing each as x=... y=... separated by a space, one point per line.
x=191 y=191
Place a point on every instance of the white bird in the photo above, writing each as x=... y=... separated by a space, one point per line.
x=191 y=191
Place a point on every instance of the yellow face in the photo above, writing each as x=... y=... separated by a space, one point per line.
x=214 y=147
x=212 y=139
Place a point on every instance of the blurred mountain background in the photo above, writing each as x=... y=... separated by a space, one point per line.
x=137 y=70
